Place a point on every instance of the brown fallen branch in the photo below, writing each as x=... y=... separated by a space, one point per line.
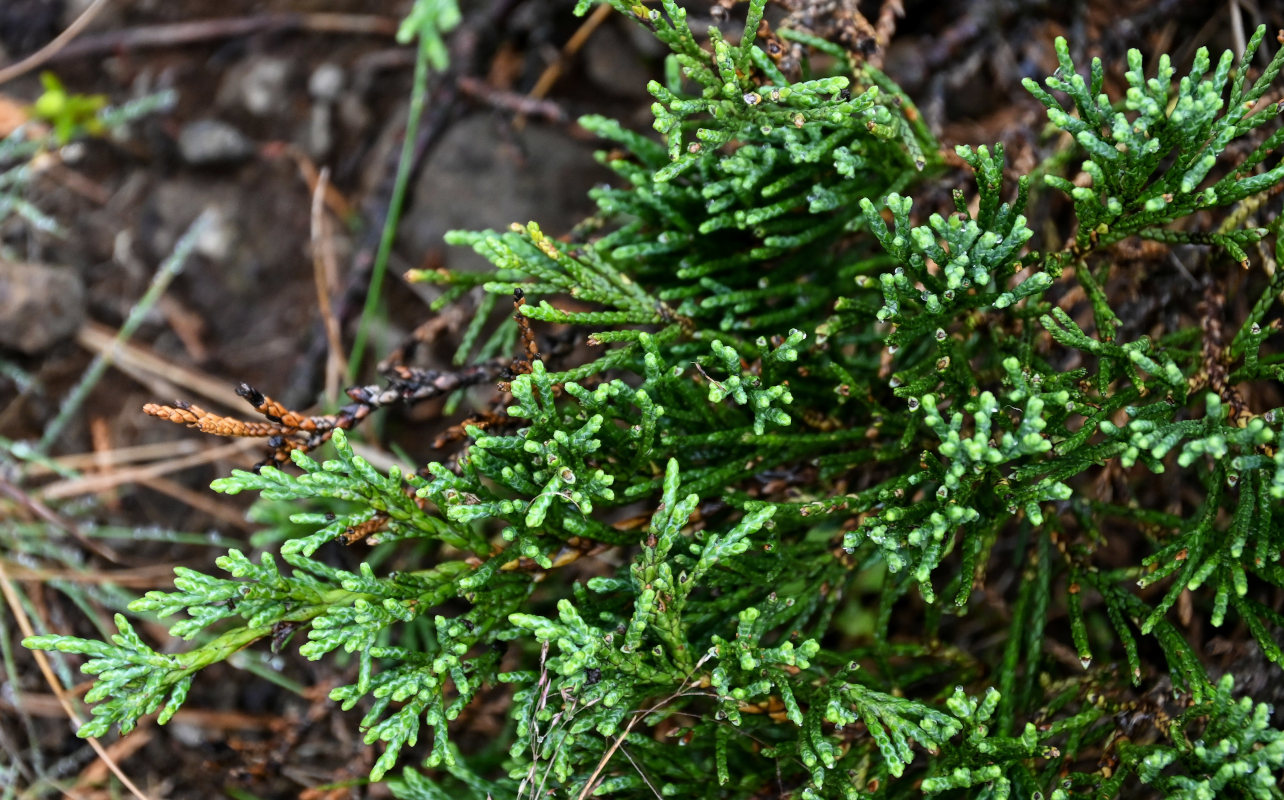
x=551 y=73
x=59 y=44
x=181 y=33
x=521 y=104
x=155 y=372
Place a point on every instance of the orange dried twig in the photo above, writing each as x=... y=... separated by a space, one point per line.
x=278 y=413
x=285 y=430
x=194 y=416
x=530 y=350
x=373 y=525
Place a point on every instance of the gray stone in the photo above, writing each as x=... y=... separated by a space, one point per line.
x=263 y=86
x=325 y=82
x=477 y=179
x=613 y=63
x=352 y=112
x=217 y=241
x=212 y=141
x=40 y=305
x=317 y=137
x=175 y=203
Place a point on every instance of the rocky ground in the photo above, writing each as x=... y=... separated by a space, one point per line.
x=267 y=95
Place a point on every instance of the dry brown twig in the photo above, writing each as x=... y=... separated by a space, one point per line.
x=203 y=30
x=334 y=199
x=59 y=43
x=325 y=273
x=55 y=520
x=158 y=374
x=885 y=28
x=524 y=105
x=216 y=508
x=554 y=70
x=120 y=456
x=147 y=577
x=103 y=481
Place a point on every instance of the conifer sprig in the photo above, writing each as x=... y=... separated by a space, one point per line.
x=828 y=514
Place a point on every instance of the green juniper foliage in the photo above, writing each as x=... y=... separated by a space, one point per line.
x=879 y=453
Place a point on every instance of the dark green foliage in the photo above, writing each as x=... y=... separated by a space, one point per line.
x=838 y=419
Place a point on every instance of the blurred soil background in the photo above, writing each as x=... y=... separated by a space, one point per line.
x=268 y=94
